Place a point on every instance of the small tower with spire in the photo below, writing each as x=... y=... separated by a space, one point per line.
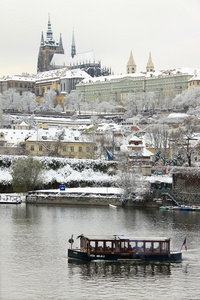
x=48 y=48
x=131 y=66
x=73 y=48
x=150 y=66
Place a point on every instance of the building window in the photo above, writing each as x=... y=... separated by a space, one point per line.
x=72 y=148
x=87 y=149
x=79 y=149
x=64 y=148
x=32 y=147
x=40 y=148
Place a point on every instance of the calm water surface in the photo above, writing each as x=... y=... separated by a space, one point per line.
x=34 y=264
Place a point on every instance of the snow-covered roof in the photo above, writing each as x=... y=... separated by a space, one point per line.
x=142 y=75
x=26 y=77
x=23 y=124
x=111 y=127
x=15 y=136
x=178 y=115
x=66 y=60
x=53 y=133
x=51 y=74
x=75 y=73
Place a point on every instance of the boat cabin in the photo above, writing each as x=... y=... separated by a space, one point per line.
x=120 y=244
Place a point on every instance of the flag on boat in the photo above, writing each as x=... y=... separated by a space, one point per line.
x=110 y=156
x=184 y=244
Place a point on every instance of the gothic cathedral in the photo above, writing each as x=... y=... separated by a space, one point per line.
x=48 y=48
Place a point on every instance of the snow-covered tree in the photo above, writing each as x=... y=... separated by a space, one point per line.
x=131 y=104
x=73 y=101
x=158 y=136
x=105 y=106
x=12 y=100
x=187 y=99
x=29 y=103
x=48 y=103
x=1 y=110
x=182 y=142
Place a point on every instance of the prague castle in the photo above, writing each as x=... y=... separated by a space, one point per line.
x=51 y=56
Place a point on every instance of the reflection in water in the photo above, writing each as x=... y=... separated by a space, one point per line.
x=118 y=269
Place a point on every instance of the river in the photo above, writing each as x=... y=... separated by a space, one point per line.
x=34 y=263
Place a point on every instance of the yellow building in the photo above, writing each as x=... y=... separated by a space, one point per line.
x=63 y=143
x=21 y=83
x=48 y=80
x=194 y=82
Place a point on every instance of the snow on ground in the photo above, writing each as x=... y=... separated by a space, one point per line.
x=86 y=190
x=5 y=176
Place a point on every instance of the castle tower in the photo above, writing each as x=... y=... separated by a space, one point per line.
x=47 y=49
x=131 y=66
x=73 y=48
x=150 y=66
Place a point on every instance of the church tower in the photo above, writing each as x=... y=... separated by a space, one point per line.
x=150 y=66
x=47 y=49
x=131 y=66
x=73 y=48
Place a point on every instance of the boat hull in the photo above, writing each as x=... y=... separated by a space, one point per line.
x=84 y=256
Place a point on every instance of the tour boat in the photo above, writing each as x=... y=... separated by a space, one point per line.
x=118 y=247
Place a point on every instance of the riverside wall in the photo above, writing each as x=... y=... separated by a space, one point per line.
x=84 y=200
x=186 y=186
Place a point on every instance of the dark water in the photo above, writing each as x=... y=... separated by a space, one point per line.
x=34 y=264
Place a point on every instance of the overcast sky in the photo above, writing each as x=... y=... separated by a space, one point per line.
x=169 y=29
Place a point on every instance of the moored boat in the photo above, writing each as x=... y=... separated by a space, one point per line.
x=119 y=248
x=10 y=199
x=112 y=206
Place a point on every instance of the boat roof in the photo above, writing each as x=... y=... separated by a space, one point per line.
x=124 y=237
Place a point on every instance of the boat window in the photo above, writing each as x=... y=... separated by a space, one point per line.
x=164 y=247
x=99 y=246
x=108 y=246
x=124 y=246
x=156 y=247
x=92 y=245
x=132 y=246
x=116 y=246
x=140 y=246
x=148 y=247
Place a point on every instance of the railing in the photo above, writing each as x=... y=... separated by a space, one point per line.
x=172 y=198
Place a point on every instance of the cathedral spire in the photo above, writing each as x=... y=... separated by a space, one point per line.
x=42 y=40
x=49 y=30
x=61 y=49
x=150 y=66
x=131 y=66
x=73 y=49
